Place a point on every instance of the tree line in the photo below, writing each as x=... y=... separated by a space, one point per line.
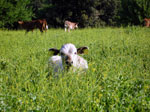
x=88 y=13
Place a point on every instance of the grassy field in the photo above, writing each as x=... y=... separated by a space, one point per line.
x=118 y=78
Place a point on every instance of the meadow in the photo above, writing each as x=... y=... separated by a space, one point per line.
x=118 y=78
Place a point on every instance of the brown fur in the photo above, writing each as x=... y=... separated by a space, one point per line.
x=34 y=24
x=147 y=22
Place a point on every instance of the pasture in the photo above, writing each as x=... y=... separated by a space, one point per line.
x=118 y=78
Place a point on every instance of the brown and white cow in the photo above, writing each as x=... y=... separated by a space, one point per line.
x=147 y=22
x=70 y=25
x=40 y=24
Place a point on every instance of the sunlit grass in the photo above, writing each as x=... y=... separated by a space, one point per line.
x=118 y=78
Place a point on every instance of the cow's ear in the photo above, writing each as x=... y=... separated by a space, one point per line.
x=53 y=51
x=82 y=50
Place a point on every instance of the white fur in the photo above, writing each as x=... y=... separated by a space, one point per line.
x=65 y=29
x=57 y=62
x=47 y=27
x=71 y=27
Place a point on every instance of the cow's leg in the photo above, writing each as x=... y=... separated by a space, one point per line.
x=65 y=29
x=46 y=27
x=68 y=29
x=41 y=30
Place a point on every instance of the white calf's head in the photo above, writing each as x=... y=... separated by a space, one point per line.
x=69 y=54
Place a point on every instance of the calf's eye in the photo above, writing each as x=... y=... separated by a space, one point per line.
x=62 y=54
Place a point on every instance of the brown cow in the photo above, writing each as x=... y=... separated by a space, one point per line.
x=70 y=25
x=40 y=24
x=147 y=22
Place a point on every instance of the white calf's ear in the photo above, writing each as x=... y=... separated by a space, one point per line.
x=82 y=50
x=53 y=51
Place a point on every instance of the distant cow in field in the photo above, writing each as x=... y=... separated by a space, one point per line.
x=40 y=24
x=147 y=22
x=70 y=25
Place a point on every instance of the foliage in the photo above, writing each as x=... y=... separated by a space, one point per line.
x=13 y=10
x=133 y=12
x=88 y=13
x=93 y=13
x=117 y=79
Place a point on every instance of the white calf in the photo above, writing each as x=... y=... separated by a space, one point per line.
x=70 y=25
x=68 y=58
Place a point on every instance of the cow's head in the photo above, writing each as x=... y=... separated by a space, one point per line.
x=69 y=53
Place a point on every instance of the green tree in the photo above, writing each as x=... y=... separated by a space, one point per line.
x=133 y=12
x=93 y=13
x=13 y=10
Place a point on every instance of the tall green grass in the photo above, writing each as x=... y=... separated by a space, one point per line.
x=118 y=78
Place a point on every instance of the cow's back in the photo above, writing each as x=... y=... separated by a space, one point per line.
x=28 y=25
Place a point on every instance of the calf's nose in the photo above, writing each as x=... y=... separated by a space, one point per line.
x=69 y=62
